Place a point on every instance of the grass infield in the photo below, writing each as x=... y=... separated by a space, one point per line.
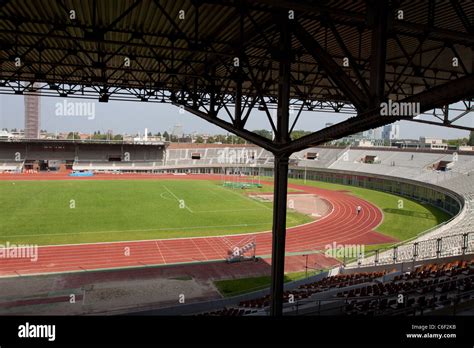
x=69 y=212
x=234 y=287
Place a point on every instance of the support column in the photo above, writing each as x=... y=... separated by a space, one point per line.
x=279 y=234
x=281 y=171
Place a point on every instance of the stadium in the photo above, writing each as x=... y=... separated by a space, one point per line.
x=190 y=205
x=293 y=193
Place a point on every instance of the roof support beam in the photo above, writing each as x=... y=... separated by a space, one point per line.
x=379 y=16
x=462 y=15
x=449 y=124
x=243 y=133
x=354 y=64
x=355 y=19
x=335 y=72
x=438 y=96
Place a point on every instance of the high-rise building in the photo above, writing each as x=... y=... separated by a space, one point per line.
x=32 y=114
x=373 y=134
x=177 y=131
x=391 y=132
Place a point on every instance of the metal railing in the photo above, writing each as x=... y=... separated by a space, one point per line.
x=338 y=306
x=452 y=245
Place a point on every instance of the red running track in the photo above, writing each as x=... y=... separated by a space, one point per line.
x=341 y=226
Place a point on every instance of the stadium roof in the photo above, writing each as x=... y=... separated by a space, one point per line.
x=176 y=51
x=166 y=51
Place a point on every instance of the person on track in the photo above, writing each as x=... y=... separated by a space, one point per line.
x=359 y=208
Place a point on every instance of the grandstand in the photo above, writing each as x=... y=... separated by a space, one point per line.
x=16 y=155
x=442 y=287
x=216 y=155
x=321 y=157
x=124 y=167
x=11 y=167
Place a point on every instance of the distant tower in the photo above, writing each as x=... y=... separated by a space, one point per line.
x=178 y=131
x=32 y=114
x=391 y=132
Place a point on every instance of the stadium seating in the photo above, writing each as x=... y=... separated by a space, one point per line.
x=326 y=157
x=11 y=166
x=217 y=156
x=303 y=292
x=106 y=166
x=427 y=288
x=229 y=312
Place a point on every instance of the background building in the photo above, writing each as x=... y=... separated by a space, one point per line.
x=391 y=132
x=32 y=115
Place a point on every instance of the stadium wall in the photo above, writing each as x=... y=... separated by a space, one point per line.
x=68 y=150
x=447 y=200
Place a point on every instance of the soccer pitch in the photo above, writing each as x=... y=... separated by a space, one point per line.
x=69 y=212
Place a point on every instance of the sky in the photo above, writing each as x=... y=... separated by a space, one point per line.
x=134 y=117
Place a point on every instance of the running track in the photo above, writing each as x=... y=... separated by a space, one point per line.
x=341 y=226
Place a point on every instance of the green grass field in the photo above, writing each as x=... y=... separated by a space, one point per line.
x=62 y=212
x=234 y=287
x=413 y=218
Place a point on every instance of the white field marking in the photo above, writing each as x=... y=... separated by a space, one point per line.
x=217 y=251
x=245 y=240
x=289 y=219
x=176 y=238
x=179 y=200
x=213 y=211
x=161 y=195
x=221 y=196
x=180 y=253
x=246 y=198
x=159 y=250
x=199 y=249
x=162 y=229
x=141 y=230
x=225 y=210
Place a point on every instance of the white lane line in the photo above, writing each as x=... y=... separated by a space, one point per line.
x=199 y=249
x=161 y=195
x=139 y=230
x=226 y=210
x=179 y=200
x=159 y=250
